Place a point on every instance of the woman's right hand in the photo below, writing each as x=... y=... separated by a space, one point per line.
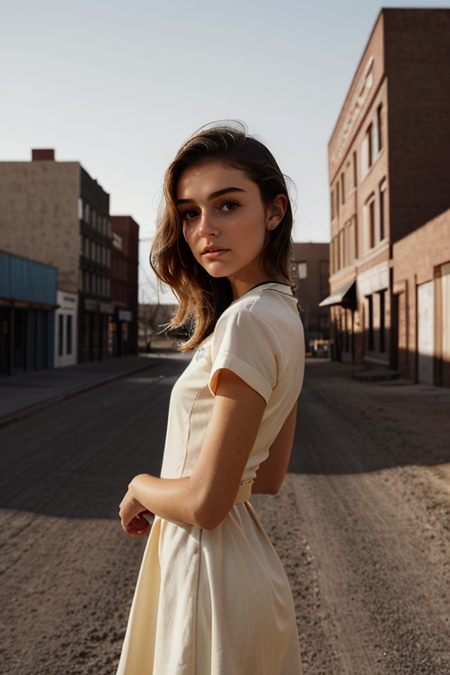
x=140 y=524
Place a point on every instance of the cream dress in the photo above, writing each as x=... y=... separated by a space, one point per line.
x=218 y=602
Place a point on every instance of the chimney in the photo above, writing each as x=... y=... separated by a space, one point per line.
x=43 y=155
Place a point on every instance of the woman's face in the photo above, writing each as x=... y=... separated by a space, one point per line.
x=225 y=223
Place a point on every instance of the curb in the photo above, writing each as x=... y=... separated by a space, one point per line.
x=30 y=410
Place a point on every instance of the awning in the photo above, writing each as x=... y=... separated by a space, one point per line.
x=345 y=296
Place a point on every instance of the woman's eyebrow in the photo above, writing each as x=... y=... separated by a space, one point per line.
x=213 y=195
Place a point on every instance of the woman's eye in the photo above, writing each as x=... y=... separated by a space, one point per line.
x=188 y=214
x=230 y=205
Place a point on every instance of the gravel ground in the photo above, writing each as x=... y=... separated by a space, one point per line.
x=361 y=524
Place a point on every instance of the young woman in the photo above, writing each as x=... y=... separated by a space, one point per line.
x=212 y=597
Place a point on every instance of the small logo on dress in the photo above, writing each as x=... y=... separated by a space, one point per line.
x=202 y=352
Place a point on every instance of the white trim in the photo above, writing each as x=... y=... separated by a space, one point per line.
x=68 y=311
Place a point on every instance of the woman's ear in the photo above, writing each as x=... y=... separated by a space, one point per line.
x=276 y=211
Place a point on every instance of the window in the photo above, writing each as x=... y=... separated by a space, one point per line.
x=382 y=206
x=350 y=240
x=343 y=188
x=302 y=270
x=80 y=209
x=372 y=223
x=369 y=222
x=332 y=204
x=379 y=128
x=337 y=199
x=69 y=334
x=369 y=140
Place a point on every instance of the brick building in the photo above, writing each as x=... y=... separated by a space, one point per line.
x=312 y=262
x=124 y=285
x=389 y=167
x=421 y=302
x=56 y=214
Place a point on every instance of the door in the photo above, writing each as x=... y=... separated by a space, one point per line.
x=445 y=308
x=425 y=332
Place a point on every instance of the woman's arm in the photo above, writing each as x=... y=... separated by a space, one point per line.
x=205 y=498
x=271 y=473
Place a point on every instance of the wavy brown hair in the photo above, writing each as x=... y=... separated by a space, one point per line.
x=203 y=298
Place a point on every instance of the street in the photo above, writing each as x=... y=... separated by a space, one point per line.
x=361 y=524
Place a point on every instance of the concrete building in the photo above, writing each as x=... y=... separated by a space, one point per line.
x=27 y=314
x=55 y=213
x=124 y=286
x=389 y=167
x=312 y=262
x=421 y=302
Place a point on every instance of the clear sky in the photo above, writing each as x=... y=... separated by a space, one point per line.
x=120 y=85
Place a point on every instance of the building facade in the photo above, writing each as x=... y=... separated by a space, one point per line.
x=389 y=168
x=27 y=314
x=123 y=331
x=312 y=261
x=421 y=302
x=94 y=271
x=55 y=213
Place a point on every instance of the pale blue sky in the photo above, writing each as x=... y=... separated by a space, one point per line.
x=120 y=85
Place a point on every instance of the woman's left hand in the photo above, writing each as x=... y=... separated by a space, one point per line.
x=131 y=515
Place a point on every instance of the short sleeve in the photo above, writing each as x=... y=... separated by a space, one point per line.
x=248 y=345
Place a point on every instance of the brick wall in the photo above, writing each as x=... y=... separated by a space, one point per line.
x=417 y=57
x=39 y=215
x=418 y=259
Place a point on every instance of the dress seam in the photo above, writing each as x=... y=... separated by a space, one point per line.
x=188 y=434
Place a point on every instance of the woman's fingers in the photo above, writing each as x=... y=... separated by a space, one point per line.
x=139 y=525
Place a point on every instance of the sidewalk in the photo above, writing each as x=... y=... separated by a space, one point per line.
x=27 y=393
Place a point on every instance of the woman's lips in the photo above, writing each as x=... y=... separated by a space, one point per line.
x=215 y=253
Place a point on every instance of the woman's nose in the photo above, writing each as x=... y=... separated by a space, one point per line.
x=208 y=226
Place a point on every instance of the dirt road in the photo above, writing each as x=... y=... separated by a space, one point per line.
x=362 y=525
x=366 y=533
